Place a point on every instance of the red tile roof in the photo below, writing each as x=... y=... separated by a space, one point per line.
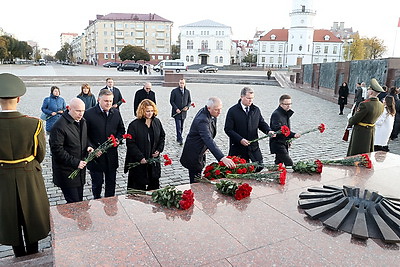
x=319 y=36
x=280 y=34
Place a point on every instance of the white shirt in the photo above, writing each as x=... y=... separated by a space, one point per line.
x=383 y=128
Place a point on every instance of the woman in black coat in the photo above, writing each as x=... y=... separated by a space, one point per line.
x=343 y=94
x=148 y=138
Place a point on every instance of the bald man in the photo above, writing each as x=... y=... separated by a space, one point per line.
x=144 y=93
x=69 y=148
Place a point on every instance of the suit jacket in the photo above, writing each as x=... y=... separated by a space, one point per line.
x=68 y=145
x=179 y=101
x=100 y=128
x=279 y=118
x=200 y=138
x=239 y=125
x=140 y=95
x=117 y=95
x=362 y=137
x=22 y=136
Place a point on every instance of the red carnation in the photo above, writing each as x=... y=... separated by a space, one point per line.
x=321 y=128
x=123 y=100
x=319 y=166
x=282 y=177
x=193 y=105
x=218 y=172
x=285 y=130
x=127 y=136
x=113 y=140
x=243 y=191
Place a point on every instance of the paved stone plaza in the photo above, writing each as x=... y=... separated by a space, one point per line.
x=310 y=111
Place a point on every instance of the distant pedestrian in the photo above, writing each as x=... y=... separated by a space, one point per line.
x=396 y=126
x=278 y=144
x=363 y=122
x=384 y=125
x=269 y=73
x=141 y=94
x=117 y=100
x=145 y=69
x=86 y=96
x=342 y=99
x=140 y=69
x=180 y=101
x=53 y=106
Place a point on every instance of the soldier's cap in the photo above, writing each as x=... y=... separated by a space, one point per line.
x=375 y=86
x=11 y=85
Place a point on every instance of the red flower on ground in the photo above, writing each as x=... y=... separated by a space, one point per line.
x=282 y=177
x=243 y=191
x=321 y=128
x=187 y=199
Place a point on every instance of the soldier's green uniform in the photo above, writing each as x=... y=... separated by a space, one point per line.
x=363 y=122
x=23 y=197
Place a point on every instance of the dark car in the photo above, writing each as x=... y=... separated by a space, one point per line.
x=208 y=69
x=111 y=64
x=129 y=66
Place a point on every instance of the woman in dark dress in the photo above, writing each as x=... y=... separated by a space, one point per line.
x=87 y=97
x=148 y=138
x=343 y=94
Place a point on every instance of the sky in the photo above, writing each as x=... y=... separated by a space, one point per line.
x=43 y=21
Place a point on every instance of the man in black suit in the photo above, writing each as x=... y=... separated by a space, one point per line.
x=103 y=121
x=201 y=138
x=68 y=144
x=180 y=101
x=144 y=93
x=117 y=100
x=242 y=124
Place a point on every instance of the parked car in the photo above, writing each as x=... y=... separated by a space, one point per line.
x=42 y=62
x=129 y=66
x=208 y=69
x=111 y=64
x=176 y=65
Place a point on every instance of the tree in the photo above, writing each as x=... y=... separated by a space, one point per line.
x=65 y=53
x=250 y=58
x=357 y=49
x=134 y=53
x=175 y=52
x=374 y=48
x=3 y=48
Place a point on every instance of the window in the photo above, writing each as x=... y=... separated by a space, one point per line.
x=221 y=60
x=280 y=60
x=160 y=57
x=189 y=44
x=264 y=48
x=191 y=59
x=335 y=49
x=219 y=45
x=105 y=48
x=120 y=26
x=187 y=58
x=105 y=33
x=112 y=48
x=105 y=56
x=271 y=59
x=216 y=59
x=326 y=49
x=280 y=48
x=317 y=49
x=291 y=48
x=112 y=56
x=308 y=48
x=272 y=48
x=263 y=59
x=273 y=37
x=204 y=45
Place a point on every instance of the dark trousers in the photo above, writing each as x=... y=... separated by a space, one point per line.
x=283 y=158
x=179 y=129
x=244 y=152
x=31 y=247
x=193 y=174
x=153 y=184
x=73 y=194
x=341 y=106
x=98 y=178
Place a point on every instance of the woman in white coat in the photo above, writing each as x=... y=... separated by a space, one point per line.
x=384 y=125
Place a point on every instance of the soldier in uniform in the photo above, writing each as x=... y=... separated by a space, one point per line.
x=363 y=122
x=24 y=206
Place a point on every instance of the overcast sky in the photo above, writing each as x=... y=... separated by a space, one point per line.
x=43 y=20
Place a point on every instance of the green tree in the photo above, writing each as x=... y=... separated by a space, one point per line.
x=3 y=48
x=250 y=58
x=65 y=53
x=175 y=52
x=134 y=53
x=374 y=48
x=357 y=49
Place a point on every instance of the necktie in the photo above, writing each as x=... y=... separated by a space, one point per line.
x=105 y=113
x=247 y=110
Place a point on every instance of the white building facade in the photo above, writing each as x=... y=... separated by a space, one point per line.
x=301 y=44
x=206 y=42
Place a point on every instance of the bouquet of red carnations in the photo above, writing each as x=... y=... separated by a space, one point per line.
x=168 y=197
x=110 y=142
x=167 y=161
x=230 y=188
x=219 y=170
x=308 y=166
x=357 y=160
x=279 y=175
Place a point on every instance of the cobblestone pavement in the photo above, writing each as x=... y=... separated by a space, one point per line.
x=310 y=111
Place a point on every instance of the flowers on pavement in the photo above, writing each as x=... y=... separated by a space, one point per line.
x=111 y=141
x=219 y=170
x=284 y=130
x=357 y=160
x=320 y=128
x=308 y=166
x=230 y=188
x=275 y=176
x=168 y=197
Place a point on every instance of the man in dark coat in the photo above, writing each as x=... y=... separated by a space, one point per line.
x=242 y=124
x=144 y=93
x=103 y=121
x=24 y=206
x=117 y=100
x=278 y=144
x=69 y=147
x=363 y=122
x=201 y=138
x=180 y=101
